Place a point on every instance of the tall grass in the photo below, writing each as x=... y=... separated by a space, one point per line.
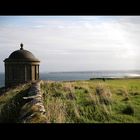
x=11 y=102
x=116 y=101
x=87 y=102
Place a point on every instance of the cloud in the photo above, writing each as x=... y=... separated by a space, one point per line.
x=75 y=43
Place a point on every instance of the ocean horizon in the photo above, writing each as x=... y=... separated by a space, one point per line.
x=82 y=75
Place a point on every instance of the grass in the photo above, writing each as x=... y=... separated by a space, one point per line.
x=11 y=103
x=112 y=101
x=91 y=101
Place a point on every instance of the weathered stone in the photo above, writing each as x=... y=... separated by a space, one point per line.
x=21 y=67
x=30 y=109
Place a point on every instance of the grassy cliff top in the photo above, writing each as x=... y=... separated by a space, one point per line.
x=112 y=101
x=90 y=101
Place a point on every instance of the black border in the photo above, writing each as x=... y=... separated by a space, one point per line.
x=87 y=131
x=51 y=7
x=56 y=130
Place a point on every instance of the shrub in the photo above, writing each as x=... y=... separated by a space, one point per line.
x=126 y=99
x=86 y=91
x=136 y=93
x=77 y=87
x=129 y=110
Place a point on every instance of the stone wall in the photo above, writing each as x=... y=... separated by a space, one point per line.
x=33 y=111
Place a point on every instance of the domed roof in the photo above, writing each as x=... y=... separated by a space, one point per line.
x=23 y=55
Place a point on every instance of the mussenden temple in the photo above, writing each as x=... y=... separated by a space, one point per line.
x=20 y=67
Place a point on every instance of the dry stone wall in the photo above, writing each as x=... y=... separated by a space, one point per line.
x=34 y=111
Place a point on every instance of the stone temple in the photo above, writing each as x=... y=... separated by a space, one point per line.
x=21 y=67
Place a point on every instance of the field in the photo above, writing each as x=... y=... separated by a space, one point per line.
x=93 y=101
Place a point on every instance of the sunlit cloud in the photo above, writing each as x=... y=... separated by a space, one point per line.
x=74 y=42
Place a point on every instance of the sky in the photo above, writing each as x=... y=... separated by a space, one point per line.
x=74 y=43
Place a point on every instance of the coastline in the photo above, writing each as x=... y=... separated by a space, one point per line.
x=116 y=78
x=84 y=75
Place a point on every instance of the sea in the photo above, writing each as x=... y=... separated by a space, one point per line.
x=84 y=75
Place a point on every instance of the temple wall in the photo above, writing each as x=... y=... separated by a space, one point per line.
x=20 y=73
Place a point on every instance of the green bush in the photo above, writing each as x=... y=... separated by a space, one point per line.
x=129 y=110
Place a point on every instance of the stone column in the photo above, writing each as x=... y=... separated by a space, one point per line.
x=38 y=71
x=25 y=73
